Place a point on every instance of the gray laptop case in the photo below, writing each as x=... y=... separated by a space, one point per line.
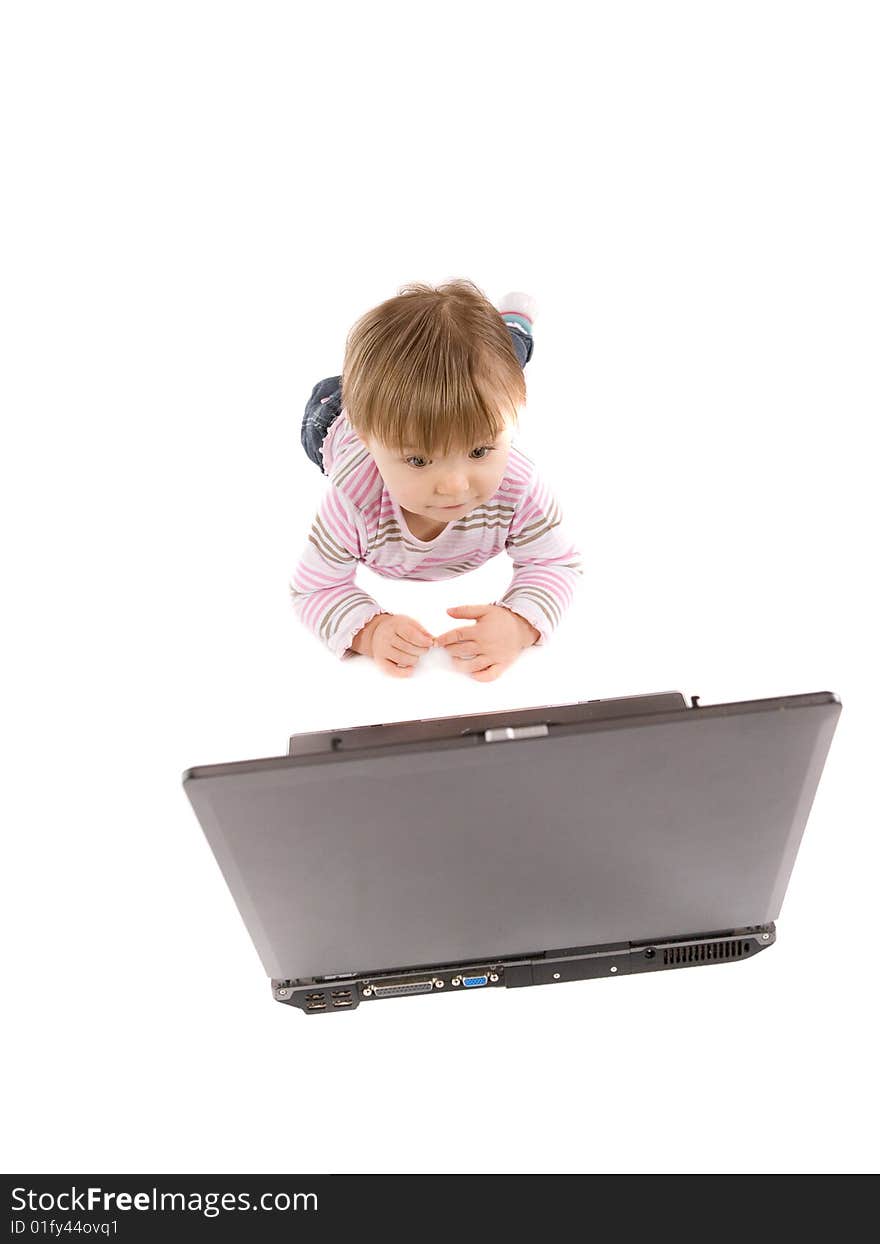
x=558 y=843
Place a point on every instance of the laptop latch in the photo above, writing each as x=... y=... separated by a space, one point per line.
x=503 y=733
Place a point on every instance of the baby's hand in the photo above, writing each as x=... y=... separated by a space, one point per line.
x=397 y=642
x=487 y=648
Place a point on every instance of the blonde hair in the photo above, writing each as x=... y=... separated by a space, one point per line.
x=432 y=369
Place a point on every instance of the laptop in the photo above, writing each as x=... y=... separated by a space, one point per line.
x=446 y=856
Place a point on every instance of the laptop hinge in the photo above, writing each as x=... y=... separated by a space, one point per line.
x=515 y=732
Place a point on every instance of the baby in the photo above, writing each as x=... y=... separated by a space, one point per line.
x=416 y=437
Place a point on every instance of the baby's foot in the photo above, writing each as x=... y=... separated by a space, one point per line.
x=519 y=309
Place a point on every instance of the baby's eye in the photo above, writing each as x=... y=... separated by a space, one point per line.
x=417 y=462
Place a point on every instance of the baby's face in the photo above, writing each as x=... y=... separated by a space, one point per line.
x=444 y=489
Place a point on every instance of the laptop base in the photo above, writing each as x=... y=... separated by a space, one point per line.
x=328 y=994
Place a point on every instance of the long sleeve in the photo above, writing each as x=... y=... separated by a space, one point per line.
x=547 y=565
x=322 y=587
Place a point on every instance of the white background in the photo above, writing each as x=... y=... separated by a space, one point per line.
x=199 y=201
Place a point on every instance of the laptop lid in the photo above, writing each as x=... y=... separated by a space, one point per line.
x=430 y=728
x=515 y=839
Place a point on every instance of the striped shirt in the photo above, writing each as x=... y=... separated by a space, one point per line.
x=359 y=521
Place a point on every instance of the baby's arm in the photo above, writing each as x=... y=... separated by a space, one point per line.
x=322 y=587
x=547 y=565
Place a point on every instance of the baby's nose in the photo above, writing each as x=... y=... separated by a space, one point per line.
x=454 y=486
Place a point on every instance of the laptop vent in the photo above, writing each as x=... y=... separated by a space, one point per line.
x=705 y=952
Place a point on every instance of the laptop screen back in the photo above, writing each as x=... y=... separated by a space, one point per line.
x=462 y=850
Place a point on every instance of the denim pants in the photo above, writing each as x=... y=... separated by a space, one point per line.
x=325 y=403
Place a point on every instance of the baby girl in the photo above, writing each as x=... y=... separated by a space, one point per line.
x=425 y=482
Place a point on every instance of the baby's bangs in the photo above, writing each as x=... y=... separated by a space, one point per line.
x=436 y=426
x=448 y=410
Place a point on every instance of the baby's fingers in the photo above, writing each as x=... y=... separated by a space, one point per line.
x=417 y=636
x=400 y=657
x=413 y=648
x=464 y=649
x=489 y=674
x=396 y=671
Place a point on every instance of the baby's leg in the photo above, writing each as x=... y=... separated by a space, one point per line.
x=322 y=408
x=518 y=312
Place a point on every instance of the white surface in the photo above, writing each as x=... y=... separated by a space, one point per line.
x=203 y=200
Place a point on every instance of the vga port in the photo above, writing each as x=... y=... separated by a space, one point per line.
x=397 y=991
x=474 y=982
